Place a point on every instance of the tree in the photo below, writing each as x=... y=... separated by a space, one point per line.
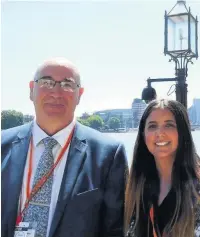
x=27 y=118
x=83 y=121
x=95 y=121
x=114 y=123
x=85 y=116
x=11 y=118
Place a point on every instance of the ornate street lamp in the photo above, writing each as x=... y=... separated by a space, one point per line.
x=181 y=44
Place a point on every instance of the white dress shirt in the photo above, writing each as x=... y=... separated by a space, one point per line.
x=38 y=148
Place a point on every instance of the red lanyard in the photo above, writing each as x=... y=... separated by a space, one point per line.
x=152 y=220
x=43 y=180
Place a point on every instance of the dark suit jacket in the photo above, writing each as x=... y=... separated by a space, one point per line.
x=91 y=198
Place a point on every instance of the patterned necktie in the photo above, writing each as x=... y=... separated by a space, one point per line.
x=38 y=208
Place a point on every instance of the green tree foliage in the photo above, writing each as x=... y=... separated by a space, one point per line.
x=28 y=118
x=95 y=121
x=85 y=116
x=83 y=121
x=114 y=123
x=11 y=118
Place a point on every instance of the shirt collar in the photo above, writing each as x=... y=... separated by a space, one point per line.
x=61 y=136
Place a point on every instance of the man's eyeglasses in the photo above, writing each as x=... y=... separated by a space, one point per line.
x=67 y=84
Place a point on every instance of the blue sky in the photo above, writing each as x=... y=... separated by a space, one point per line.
x=116 y=45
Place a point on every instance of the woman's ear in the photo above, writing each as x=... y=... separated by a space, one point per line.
x=143 y=135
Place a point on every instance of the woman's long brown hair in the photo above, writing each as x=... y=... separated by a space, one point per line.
x=185 y=174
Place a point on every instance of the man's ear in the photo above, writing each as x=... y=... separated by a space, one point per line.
x=31 y=85
x=81 y=90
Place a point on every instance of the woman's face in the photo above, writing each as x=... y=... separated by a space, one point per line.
x=161 y=135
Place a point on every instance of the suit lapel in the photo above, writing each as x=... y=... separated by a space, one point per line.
x=16 y=164
x=74 y=164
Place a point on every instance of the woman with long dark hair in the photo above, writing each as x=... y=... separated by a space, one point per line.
x=162 y=196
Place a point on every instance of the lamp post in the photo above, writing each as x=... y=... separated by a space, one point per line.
x=181 y=44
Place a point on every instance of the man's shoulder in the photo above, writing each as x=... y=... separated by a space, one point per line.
x=8 y=135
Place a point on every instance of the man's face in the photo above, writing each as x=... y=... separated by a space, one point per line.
x=55 y=105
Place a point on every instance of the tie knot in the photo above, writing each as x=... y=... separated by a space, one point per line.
x=49 y=142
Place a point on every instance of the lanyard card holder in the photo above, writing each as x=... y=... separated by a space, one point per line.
x=26 y=229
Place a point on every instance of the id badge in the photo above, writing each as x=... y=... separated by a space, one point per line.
x=25 y=229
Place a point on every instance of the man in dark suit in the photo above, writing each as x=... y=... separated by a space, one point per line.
x=66 y=178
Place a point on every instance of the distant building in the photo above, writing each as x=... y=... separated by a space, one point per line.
x=194 y=112
x=124 y=115
x=138 y=107
x=129 y=118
